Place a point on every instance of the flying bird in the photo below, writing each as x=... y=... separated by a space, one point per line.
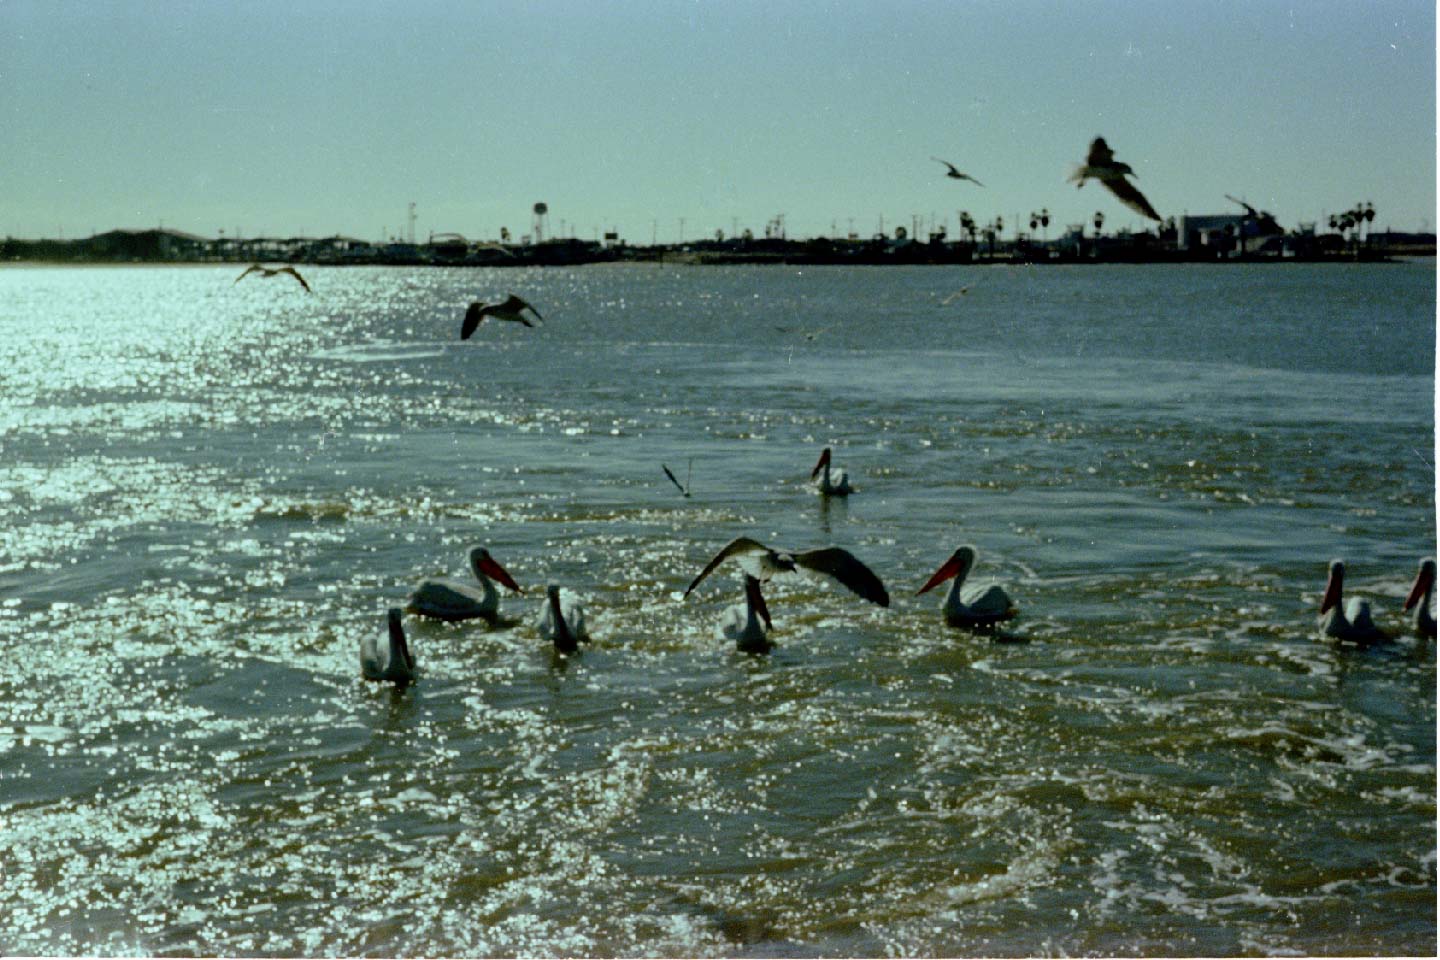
x=684 y=490
x=511 y=308
x=974 y=606
x=1346 y=620
x=955 y=174
x=748 y=623
x=388 y=658
x=1420 y=604
x=830 y=482
x=265 y=271
x=1101 y=165
x=446 y=599
x=562 y=620
x=1265 y=222
x=763 y=563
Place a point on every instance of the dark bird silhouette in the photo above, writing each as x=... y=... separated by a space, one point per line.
x=1264 y=221
x=685 y=489
x=1101 y=165
x=265 y=271
x=955 y=174
x=762 y=563
x=511 y=309
x=388 y=658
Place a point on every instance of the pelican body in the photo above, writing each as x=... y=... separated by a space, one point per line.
x=1348 y=621
x=972 y=606
x=1420 y=604
x=562 y=620
x=387 y=657
x=829 y=481
x=445 y=599
x=748 y=623
x=1100 y=164
x=512 y=309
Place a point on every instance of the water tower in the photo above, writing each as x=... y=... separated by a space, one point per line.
x=542 y=221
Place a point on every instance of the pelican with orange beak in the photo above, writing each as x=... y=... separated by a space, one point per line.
x=388 y=660
x=445 y=599
x=972 y=606
x=829 y=481
x=1346 y=620
x=1420 y=604
x=748 y=623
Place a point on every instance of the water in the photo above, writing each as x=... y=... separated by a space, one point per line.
x=210 y=491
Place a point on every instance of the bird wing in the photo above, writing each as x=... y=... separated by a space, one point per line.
x=296 y=274
x=972 y=179
x=1248 y=209
x=248 y=270
x=673 y=480
x=473 y=316
x=513 y=304
x=738 y=545
x=1129 y=195
x=1100 y=154
x=843 y=566
x=950 y=166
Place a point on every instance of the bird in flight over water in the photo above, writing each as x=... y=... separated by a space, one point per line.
x=1101 y=165
x=955 y=174
x=511 y=309
x=762 y=563
x=273 y=271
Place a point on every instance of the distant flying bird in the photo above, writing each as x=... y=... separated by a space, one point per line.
x=955 y=296
x=807 y=334
x=684 y=490
x=389 y=659
x=1101 y=165
x=976 y=607
x=510 y=309
x=955 y=174
x=1346 y=620
x=265 y=271
x=1265 y=222
x=762 y=563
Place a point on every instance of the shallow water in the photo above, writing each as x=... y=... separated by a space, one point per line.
x=210 y=491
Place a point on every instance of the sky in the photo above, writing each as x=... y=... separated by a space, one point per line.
x=669 y=120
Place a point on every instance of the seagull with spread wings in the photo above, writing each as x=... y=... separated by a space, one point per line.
x=265 y=271
x=511 y=308
x=1100 y=164
x=763 y=563
x=955 y=174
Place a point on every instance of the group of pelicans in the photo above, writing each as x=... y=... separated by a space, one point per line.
x=386 y=656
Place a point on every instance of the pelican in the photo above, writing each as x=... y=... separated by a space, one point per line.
x=1101 y=165
x=1346 y=620
x=511 y=309
x=446 y=599
x=831 y=483
x=762 y=563
x=389 y=659
x=1422 y=600
x=747 y=623
x=976 y=607
x=954 y=174
x=562 y=620
x=265 y=271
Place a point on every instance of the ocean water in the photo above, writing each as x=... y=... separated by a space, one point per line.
x=209 y=492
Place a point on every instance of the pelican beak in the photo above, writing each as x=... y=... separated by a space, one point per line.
x=1332 y=590
x=1424 y=580
x=492 y=569
x=820 y=464
x=947 y=570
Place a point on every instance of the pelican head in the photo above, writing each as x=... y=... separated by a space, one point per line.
x=757 y=600
x=398 y=643
x=1424 y=583
x=958 y=565
x=1333 y=586
x=821 y=464
x=485 y=567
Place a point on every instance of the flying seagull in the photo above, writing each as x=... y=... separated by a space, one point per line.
x=510 y=309
x=955 y=174
x=1265 y=221
x=1102 y=165
x=762 y=563
x=273 y=271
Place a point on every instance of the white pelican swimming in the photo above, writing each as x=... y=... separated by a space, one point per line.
x=562 y=620
x=829 y=481
x=955 y=174
x=446 y=599
x=976 y=606
x=1347 y=620
x=1100 y=164
x=748 y=623
x=387 y=657
x=763 y=563
x=511 y=309
x=271 y=272
x=1420 y=604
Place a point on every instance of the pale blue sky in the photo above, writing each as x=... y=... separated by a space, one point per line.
x=330 y=117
